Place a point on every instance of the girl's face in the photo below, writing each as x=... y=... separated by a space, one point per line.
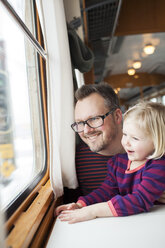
x=135 y=141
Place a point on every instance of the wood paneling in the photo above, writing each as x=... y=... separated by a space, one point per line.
x=88 y=76
x=29 y=221
x=141 y=16
x=140 y=79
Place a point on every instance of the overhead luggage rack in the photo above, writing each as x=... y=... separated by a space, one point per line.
x=101 y=18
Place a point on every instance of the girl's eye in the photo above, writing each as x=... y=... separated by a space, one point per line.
x=135 y=138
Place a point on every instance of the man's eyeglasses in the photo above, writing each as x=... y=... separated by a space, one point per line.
x=93 y=122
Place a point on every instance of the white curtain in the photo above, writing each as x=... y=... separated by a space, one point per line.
x=79 y=78
x=60 y=95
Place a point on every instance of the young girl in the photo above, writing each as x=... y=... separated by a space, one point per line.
x=136 y=179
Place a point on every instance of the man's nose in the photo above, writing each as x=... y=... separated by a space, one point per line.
x=87 y=128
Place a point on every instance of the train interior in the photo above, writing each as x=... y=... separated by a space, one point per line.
x=119 y=46
x=48 y=49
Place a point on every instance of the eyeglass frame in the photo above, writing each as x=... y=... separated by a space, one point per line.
x=86 y=122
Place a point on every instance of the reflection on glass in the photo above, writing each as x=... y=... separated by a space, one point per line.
x=23 y=9
x=21 y=131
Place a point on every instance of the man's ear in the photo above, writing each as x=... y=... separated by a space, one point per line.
x=118 y=116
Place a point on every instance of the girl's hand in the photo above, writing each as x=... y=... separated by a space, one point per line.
x=86 y=213
x=69 y=206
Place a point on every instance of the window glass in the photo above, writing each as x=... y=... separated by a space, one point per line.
x=153 y=99
x=22 y=147
x=23 y=9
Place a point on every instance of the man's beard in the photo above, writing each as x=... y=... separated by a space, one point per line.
x=99 y=144
x=98 y=147
x=102 y=143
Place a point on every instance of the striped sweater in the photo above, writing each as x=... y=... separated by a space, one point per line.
x=128 y=191
x=91 y=169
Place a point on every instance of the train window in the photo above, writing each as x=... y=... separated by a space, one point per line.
x=153 y=99
x=22 y=142
x=23 y=10
x=163 y=99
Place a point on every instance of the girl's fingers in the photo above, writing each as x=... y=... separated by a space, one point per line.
x=65 y=215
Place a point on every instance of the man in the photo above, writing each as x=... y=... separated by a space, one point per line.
x=98 y=121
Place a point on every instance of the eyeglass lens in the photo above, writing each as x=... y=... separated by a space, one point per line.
x=92 y=122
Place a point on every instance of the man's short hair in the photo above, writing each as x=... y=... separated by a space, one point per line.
x=103 y=89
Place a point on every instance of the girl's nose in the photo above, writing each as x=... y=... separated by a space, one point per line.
x=127 y=142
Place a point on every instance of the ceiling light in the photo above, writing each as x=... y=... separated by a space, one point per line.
x=149 y=49
x=131 y=71
x=117 y=90
x=137 y=64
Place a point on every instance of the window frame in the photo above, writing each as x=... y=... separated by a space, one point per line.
x=27 y=196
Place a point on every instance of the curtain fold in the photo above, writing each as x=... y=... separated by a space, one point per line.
x=60 y=96
x=81 y=55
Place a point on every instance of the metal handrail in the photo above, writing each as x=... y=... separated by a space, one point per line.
x=24 y=28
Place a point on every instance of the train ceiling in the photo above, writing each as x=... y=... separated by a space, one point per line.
x=117 y=31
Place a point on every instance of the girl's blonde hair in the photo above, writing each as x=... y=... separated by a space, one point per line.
x=150 y=117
